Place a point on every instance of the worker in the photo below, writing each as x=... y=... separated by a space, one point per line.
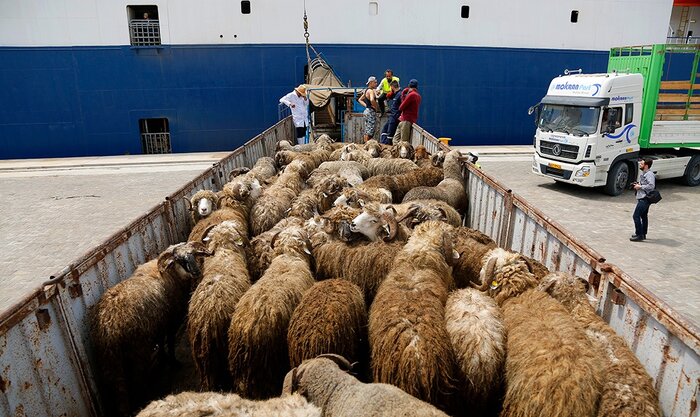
x=298 y=103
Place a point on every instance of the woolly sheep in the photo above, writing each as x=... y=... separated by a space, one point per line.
x=551 y=367
x=374 y=148
x=202 y=204
x=324 y=383
x=400 y=184
x=379 y=222
x=409 y=343
x=353 y=172
x=331 y=318
x=475 y=325
x=319 y=199
x=135 y=316
x=259 y=251
x=258 y=357
x=273 y=204
x=383 y=166
x=225 y=280
x=403 y=150
x=212 y=404
x=628 y=391
x=471 y=245
x=232 y=211
x=355 y=197
x=450 y=190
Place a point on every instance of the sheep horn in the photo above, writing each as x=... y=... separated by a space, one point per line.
x=447 y=249
x=409 y=213
x=189 y=204
x=393 y=224
x=487 y=273
x=443 y=213
x=342 y=363
x=274 y=240
x=238 y=171
x=199 y=248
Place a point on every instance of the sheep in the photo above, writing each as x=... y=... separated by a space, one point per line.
x=352 y=197
x=403 y=150
x=246 y=187
x=551 y=367
x=212 y=404
x=344 y=149
x=135 y=316
x=353 y=172
x=382 y=166
x=233 y=210
x=285 y=145
x=259 y=251
x=471 y=245
x=273 y=204
x=438 y=158
x=422 y=157
x=225 y=280
x=365 y=265
x=336 y=222
x=202 y=204
x=420 y=211
x=400 y=184
x=409 y=343
x=318 y=199
x=373 y=148
x=331 y=318
x=450 y=190
x=325 y=383
x=475 y=325
x=628 y=391
x=538 y=268
x=258 y=358
x=311 y=159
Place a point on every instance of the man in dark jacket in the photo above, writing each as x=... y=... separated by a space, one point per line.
x=409 y=112
x=390 y=126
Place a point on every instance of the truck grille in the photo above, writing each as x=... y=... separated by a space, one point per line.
x=563 y=151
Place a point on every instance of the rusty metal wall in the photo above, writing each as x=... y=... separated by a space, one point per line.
x=45 y=365
x=666 y=344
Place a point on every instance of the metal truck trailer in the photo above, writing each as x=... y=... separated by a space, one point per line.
x=46 y=368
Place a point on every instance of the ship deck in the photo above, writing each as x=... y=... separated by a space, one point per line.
x=54 y=210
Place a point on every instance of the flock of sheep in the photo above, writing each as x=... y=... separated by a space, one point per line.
x=337 y=280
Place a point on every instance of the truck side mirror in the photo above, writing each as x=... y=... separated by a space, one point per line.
x=531 y=110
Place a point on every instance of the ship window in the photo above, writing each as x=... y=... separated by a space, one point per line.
x=245 y=7
x=155 y=136
x=574 y=16
x=629 y=113
x=144 y=26
x=465 y=12
x=373 y=8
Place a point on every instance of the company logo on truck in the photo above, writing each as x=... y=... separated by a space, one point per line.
x=621 y=98
x=584 y=88
x=626 y=132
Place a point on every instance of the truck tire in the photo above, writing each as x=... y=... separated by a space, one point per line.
x=618 y=178
x=692 y=172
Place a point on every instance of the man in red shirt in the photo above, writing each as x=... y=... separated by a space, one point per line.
x=409 y=112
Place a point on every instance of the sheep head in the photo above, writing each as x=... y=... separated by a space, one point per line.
x=237 y=171
x=337 y=222
x=352 y=197
x=418 y=213
x=373 y=148
x=330 y=187
x=568 y=289
x=283 y=145
x=182 y=260
x=225 y=234
x=421 y=153
x=293 y=240
x=293 y=381
x=324 y=139
x=438 y=159
x=242 y=189
x=436 y=235
x=505 y=274
x=203 y=203
x=372 y=222
x=405 y=150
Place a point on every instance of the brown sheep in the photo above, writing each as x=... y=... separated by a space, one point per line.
x=355 y=197
x=225 y=280
x=450 y=190
x=212 y=404
x=383 y=166
x=258 y=357
x=273 y=204
x=422 y=157
x=421 y=211
x=551 y=367
x=471 y=245
x=259 y=251
x=231 y=211
x=403 y=150
x=400 y=184
x=373 y=148
x=319 y=199
x=202 y=204
x=331 y=318
x=628 y=391
x=325 y=380
x=135 y=316
x=475 y=325
x=409 y=343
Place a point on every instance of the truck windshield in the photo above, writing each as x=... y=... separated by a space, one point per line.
x=572 y=120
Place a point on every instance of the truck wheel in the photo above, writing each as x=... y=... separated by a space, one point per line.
x=692 y=172
x=618 y=176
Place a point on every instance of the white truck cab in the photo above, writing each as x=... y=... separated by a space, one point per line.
x=585 y=124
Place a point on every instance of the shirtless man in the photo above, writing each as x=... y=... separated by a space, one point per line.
x=369 y=101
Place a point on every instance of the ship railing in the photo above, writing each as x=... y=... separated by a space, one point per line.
x=144 y=32
x=153 y=143
x=694 y=40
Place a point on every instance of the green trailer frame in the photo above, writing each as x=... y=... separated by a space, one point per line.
x=649 y=60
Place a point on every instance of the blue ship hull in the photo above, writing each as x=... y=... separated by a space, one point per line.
x=84 y=101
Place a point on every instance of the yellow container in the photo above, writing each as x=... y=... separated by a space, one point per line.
x=445 y=141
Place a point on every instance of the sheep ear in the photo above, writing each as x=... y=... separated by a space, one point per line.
x=547 y=286
x=189 y=204
x=529 y=263
x=455 y=254
x=443 y=213
x=487 y=272
x=307 y=246
x=361 y=202
x=199 y=248
x=207 y=230
x=448 y=249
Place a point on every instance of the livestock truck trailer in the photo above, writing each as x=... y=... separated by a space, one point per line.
x=47 y=364
x=592 y=128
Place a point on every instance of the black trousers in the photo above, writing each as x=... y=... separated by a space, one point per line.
x=301 y=132
x=641 y=217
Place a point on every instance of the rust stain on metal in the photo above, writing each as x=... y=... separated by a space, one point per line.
x=75 y=290
x=26 y=385
x=43 y=318
x=668 y=358
x=640 y=328
x=694 y=403
x=618 y=297
x=4 y=384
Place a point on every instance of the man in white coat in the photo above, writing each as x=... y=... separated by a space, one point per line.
x=297 y=102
